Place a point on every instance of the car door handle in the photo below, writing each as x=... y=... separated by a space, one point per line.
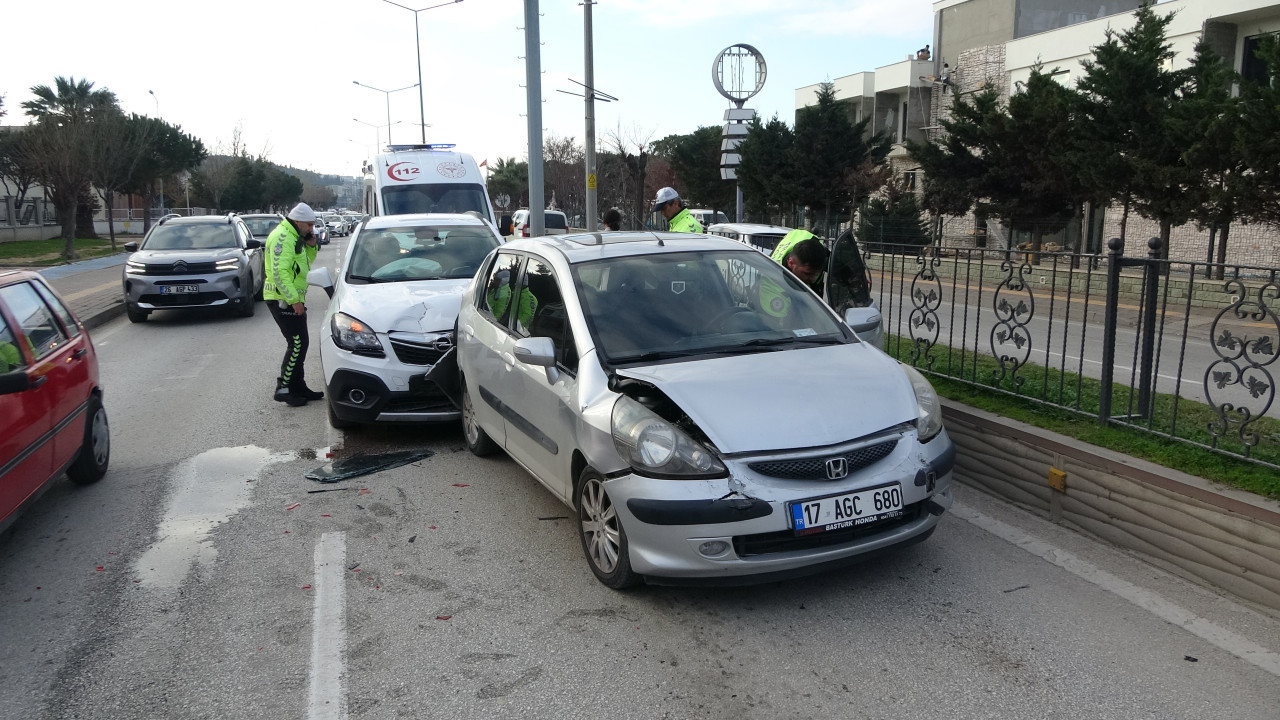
x=80 y=353
x=38 y=381
x=509 y=359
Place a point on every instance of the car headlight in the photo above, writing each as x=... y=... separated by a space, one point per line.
x=929 y=423
x=351 y=334
x=228 y=264
x=133 y=267
x=657 y=448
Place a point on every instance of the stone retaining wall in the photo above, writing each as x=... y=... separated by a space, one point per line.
x=1223 y=537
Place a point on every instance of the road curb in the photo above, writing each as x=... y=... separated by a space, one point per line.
x=102 y=316
x=1219 y=536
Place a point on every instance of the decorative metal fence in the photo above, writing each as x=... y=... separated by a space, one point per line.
x=1143 y=342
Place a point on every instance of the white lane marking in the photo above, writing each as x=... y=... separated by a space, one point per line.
x=1152 y=602
x=327 y=698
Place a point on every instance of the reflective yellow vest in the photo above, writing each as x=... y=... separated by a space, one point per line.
x=684 y=222
x=288 y=260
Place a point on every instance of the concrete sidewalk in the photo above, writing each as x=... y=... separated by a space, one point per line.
x=93 y=288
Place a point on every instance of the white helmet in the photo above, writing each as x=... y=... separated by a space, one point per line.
x=302 y=212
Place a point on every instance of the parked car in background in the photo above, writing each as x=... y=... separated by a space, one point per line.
x=388 y=350
x=761 y=237
x=707 y=218
x=701 y=428
x=210 y=261
x=321 y=231
x=262 y=224
x=52 y=418
x=555 y=222
x=337 y=225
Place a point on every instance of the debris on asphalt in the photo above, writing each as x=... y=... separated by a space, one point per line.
x=101 y=568
x=364 y=491
x=364 y=464
x=415 y=537
x=1188 y=658
x=555 y=517
x=313 y=492
x=461 y=485
x=443 y=617
x=306 y=587
x=295 y=505
x=326 y=515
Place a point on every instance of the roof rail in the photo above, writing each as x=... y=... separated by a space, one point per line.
x=428 y=146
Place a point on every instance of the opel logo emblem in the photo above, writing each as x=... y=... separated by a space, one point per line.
x=442 y=344
x=837 y=468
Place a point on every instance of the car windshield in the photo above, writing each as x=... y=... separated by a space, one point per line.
x=205 y=236
x=420 y=252
x=261 y=227
x=435 y=198
x=648 y=308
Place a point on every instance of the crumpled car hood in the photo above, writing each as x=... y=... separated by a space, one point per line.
x=423 y=306
x=789 y=399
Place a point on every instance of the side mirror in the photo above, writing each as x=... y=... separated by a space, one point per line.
x=15 y=382
x=865 y=323
x=321 y=278
x=130 y=247
x=252 y=244
x=538 y=351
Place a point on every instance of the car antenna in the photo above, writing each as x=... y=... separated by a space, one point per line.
x=659 y=238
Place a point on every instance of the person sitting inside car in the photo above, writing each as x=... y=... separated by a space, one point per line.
x=498 y=295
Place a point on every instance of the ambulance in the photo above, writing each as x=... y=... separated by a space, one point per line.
x=410 y=179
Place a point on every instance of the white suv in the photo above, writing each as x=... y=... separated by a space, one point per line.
x=388 y=350
x=554 y=221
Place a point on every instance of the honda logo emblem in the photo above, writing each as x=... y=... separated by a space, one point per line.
x=837 y=468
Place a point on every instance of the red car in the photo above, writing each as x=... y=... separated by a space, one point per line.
x=51 y=415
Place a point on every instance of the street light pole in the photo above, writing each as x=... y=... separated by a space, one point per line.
x=160 y=117
x=388 y=94
x=377 y=132
x=417 y=46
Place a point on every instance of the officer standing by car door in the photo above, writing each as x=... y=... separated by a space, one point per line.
x=291 y=248
x=678 y=218
x=801 y=252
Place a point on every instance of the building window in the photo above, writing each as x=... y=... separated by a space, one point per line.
x=1253 y=68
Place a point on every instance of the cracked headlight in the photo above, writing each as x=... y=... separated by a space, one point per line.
x=657 y=448
x=929 y=423
x=351 y=334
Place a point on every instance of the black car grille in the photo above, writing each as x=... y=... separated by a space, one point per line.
x=181 y=268
x=815 y=468
x=412 y=353
x=788 y=541
x=424 y=396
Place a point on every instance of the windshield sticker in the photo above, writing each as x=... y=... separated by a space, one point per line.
x=452 y=170
x=677 y=286
x=805 y=332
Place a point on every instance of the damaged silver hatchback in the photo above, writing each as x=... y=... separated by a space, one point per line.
x=708 y=417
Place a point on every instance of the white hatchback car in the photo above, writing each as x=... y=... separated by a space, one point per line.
x=388 y=354
x=705 y=414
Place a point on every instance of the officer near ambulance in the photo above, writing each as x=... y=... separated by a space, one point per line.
x=290 y=250
x=678 y=218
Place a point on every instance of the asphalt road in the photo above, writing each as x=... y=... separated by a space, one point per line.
x=202 y=579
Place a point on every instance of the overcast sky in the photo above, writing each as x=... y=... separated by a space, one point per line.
x=282 y=70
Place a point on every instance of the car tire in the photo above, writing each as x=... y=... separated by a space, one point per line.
x=95 y=452
x=336 y=422
x=604 y=541
x=135 y=313
x=478 y=441
x=247 y=306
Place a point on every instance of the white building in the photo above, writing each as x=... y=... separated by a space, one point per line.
x=980 y=42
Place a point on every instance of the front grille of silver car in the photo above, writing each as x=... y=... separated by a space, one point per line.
x=815 y=468
x=415 y=353
x=181 y=268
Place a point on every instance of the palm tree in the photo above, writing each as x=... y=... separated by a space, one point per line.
x=59 y=141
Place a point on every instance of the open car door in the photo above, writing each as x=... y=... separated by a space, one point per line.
x=849 y=290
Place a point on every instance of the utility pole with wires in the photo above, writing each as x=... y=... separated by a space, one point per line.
x=533 y=90
x=591 y=94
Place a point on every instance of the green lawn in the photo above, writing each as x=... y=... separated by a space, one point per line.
x=43 y=253
x=1177 y=417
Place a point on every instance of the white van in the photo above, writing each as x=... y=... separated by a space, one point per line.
x=413 y=179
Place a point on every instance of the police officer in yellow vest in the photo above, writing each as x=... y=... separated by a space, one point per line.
x=801 y=252
x=290 y=249
x=678 y=218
